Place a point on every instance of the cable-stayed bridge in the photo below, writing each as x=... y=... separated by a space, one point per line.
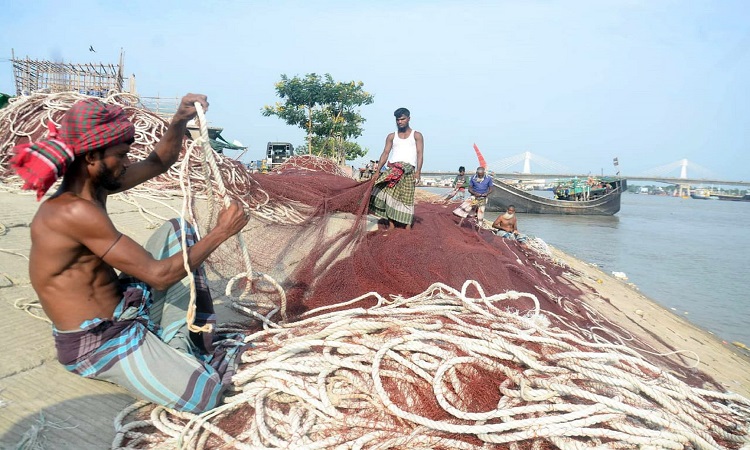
x=681 y=172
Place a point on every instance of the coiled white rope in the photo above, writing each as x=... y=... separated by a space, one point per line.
x=416 y=373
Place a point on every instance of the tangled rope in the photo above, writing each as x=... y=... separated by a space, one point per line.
x=194 y=178
x=25 y=118
x=214 y=174
x=447 y=370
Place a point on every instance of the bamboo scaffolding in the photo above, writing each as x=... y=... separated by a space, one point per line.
x=32 y=75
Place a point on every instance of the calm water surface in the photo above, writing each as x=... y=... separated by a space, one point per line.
x=690 y=255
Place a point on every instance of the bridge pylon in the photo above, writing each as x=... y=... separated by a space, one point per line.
x=527 y=162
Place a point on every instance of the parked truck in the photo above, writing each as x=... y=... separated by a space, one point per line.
x=277 y=153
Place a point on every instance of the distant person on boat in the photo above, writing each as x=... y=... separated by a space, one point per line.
x=506 y=226
x=393 y=190
x=130 y=329
x=480 y=187
x=459 y=186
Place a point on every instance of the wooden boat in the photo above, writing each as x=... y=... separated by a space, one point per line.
x=602 y=204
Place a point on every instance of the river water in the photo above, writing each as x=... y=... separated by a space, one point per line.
x=692 y=256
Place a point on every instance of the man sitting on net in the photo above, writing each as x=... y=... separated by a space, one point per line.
x=506 y=226
x=131 y=329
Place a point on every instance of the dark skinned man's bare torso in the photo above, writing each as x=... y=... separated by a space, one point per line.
x=504 y=224
x=73 y=284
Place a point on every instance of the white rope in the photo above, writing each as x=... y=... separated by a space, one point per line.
x=191 y=308
x=371 y=378
x=210 y=159
x=32 y=307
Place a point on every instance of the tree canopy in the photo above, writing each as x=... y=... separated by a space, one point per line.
x=327 y=109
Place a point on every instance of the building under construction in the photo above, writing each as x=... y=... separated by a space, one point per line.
x=32 y=75
x=98 y=80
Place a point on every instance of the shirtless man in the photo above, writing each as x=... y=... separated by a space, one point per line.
x=506 y=226
x=107 y=327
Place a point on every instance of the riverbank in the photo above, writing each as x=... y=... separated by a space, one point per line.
x=657 y=243
x=39 y=399
x=624 y=305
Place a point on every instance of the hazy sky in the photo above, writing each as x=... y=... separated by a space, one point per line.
x=576 y=82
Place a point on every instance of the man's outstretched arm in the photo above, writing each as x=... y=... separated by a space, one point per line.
x=96 y=231
x=167 y=150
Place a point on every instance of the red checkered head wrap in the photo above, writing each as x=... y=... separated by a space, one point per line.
x=88 y=125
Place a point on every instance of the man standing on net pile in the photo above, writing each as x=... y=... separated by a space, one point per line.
x=392 y=195
x=129 y=329
x=480 y=186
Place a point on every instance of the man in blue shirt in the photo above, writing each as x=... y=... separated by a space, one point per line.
x=480 y=186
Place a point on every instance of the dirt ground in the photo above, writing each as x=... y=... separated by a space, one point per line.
x=40 y=400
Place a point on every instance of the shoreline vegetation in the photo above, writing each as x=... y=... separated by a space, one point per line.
x=38 y=396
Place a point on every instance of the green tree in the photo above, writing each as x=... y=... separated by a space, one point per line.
x=328 y=110
x=328 y=146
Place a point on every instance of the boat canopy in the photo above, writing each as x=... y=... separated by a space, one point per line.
x=4 y=98
x=590 y=181
x=220 y=144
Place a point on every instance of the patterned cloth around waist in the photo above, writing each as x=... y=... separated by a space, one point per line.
x=394 y=200
x=522 y=238
x=163 y=364
x=469 y=205
x=121 y=334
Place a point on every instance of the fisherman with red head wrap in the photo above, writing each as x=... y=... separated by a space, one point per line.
x=128 y=329
x=88 y=125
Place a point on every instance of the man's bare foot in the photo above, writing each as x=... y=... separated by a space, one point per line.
x=391 y=225
x=408 y=227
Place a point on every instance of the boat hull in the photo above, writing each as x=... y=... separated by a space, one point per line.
x=504 y=195
x=735 y=198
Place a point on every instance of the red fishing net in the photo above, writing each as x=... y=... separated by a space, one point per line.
x=519 y=360
x=327 y=261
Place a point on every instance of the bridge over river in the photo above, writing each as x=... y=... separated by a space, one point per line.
x=553 y=176
x=551 y=170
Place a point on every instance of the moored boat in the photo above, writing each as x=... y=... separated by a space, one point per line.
x=734 y=198
x=604 y=202
x=701 y=194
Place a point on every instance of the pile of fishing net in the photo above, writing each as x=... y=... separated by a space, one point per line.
x=419 y=364
x=445 y=369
